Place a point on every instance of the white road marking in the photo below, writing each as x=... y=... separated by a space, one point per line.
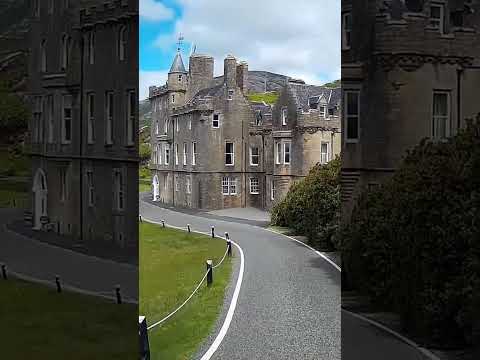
x=233 y=304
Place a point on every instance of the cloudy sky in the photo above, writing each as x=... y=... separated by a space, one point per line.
x=298 y=38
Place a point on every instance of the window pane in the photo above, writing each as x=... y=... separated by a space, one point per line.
x=352 y=103
x=352 y=127
x=440 y=104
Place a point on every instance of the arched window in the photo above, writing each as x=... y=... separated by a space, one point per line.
x=65 y=48
x=43 y=56
x=122 y=43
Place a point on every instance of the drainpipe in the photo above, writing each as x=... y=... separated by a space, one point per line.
x=459 y=94
x=173 y=158
x=81 y=133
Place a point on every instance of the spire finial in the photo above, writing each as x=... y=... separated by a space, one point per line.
x=180 y=41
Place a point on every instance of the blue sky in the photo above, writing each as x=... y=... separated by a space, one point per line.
x=299 y=38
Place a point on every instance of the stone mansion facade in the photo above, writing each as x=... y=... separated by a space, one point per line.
x=212 y=148
x=83 y=132
x=410 y=70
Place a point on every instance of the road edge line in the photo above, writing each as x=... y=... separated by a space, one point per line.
x=233 y=303
x=402 y=338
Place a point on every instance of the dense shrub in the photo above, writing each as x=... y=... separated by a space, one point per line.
x=413 y=244
x=311 y=206
x=13 y=112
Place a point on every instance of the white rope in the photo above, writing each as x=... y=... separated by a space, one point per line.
x=173 y=312
x=220 y=263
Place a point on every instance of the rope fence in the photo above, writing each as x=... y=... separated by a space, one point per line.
x=208 y=276
x=60 y=286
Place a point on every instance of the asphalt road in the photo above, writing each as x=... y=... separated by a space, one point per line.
x=289 y=303
x=41 y=261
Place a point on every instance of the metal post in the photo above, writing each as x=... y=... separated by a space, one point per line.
x=4 y=271
x=213 y=231
x=144 y=345
x=57 y=282
x=140 y=218
x=119 y=296
x=229 y=245
x=188 y=227
x=210 y=272
x=163 y=223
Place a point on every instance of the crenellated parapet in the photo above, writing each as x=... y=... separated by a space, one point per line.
x=114 y=11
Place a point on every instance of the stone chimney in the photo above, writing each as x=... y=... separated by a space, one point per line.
x=230 y=71
x=200 y=73
x=242 y=76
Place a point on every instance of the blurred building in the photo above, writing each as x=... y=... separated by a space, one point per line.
x=410 y=70
x=83 y=81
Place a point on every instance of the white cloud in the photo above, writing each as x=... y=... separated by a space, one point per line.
x=297 y=38
x=149 y=78
x=152 y=10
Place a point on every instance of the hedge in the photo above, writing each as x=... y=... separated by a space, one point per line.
x=413 y=244
x=311 y=206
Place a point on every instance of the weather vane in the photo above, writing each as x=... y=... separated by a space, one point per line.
x=180 y=41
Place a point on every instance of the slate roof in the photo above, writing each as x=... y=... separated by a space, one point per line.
x=305 y=94
x=177 y=66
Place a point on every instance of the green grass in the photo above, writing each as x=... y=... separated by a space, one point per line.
x=10 y=165
x=172 y=262
x=144 y=186
x=10 y=191
x=40 y=324
x=269 y=97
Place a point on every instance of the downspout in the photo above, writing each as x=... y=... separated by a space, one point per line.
x=459 y=94
x=174 y=159
x=244 y=192
x=81 y=132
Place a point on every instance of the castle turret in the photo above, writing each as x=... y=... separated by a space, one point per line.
x=177 y=81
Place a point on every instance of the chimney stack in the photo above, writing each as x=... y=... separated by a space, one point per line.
x=230 y=71
x=242 y=76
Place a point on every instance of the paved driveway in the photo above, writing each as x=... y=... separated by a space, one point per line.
x=289 y=303
x=42 y=261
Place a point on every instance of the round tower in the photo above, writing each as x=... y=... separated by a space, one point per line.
x=177 y=81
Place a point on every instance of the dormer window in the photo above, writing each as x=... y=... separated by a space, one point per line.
x=322 y=110
x=437 y=17
x=284 y=116
x=330 y=112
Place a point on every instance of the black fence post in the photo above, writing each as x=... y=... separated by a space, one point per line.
x=4 y=272
x=188 y=227
x=163 y=223
x=140 y=218
x=213 y=231
x=57 y=282
x=118 y=294
x=229 y=245
x=210 y=272
x=144 y=345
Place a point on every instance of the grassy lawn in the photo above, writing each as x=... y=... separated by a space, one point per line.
x=172 y=262
x=144 y=186
x=10 y=191
x=40 y=324
x=268 y=97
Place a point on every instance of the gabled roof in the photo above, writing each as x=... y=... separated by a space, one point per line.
x=309 y=94
x=177 y=66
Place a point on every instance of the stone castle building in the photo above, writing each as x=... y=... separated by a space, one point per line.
x=212 y=148
x=83 y=130
x=410 y=70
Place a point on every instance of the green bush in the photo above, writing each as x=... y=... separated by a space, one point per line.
x=144 y=152
x=413 y=244
x=311 y=206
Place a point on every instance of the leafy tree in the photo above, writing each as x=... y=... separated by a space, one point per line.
x=13 y=112
x=144 y=152
x=311 y=206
